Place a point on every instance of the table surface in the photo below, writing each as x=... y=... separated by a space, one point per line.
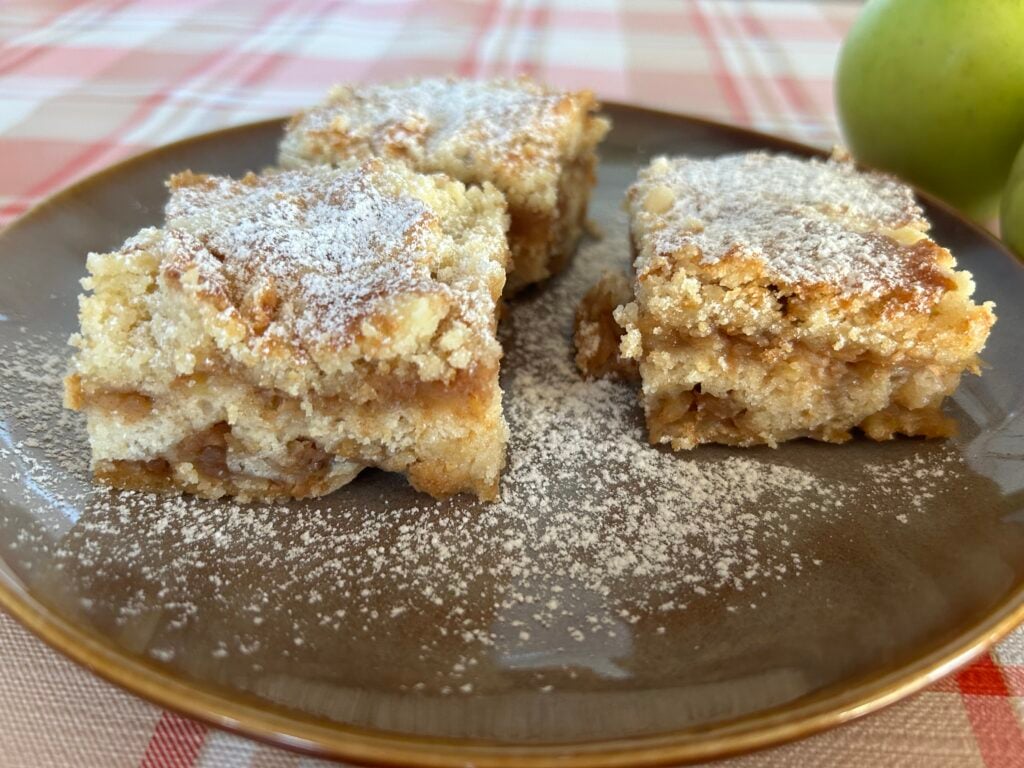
x=83 y=85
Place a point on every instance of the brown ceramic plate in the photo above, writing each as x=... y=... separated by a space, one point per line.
x=763 y=615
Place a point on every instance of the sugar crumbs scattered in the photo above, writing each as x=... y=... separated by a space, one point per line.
x=597 y=532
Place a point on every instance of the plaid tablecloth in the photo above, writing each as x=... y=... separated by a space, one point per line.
x=85 y=84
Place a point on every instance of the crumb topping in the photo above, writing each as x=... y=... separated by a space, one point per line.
x=598 y=537
x=512 y=132
x=809 y=221
x=310 y=254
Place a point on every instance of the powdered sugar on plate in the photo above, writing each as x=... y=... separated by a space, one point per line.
x=596 y=533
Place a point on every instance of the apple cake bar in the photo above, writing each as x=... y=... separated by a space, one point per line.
x=281 y=332
x=776 y=298
x=536 y=145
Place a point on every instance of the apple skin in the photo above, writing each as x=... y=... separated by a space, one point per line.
x=1011 y=215
x=933 y=91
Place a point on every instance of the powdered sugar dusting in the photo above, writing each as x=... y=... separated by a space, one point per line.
x=427 y=114
x=442 y=124
x=810 y=221
x=326 y=248
x=597 y=535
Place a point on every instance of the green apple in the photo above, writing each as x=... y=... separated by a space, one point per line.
x=933 y=91
x=1011 y=215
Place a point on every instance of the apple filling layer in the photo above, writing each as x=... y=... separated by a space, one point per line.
x=282 y=332
x=776 y=298
x=748 y=395
x=213 y=435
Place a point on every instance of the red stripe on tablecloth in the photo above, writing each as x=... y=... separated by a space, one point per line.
x=669 y=22
x=994 y=722
x=720 y=69
x=303 y=72
x=760 y=90
x=25 y=158
x=982 y=678
x=265 y=64
x=789 y=85
x=175 y=743
x=68 y=61
x=468 y=64
x=792 y=27
x=99 y=149
x=26 y=53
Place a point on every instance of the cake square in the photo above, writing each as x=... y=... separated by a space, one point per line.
x=283 y=331
x=534 y=144
x=776 y=298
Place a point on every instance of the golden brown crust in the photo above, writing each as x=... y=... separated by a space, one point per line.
x=534 y=144
x=284 y=331
x=817 y=228
x=776 y=298
x=311 y=257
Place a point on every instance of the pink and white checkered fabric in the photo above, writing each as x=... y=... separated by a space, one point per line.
x=85 y=84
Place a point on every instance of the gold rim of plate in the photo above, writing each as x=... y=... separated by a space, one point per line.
x=255 y=718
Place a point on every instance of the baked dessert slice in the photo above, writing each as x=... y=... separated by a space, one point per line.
x=282 y=332
x=777 y=298
x=534 y=144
